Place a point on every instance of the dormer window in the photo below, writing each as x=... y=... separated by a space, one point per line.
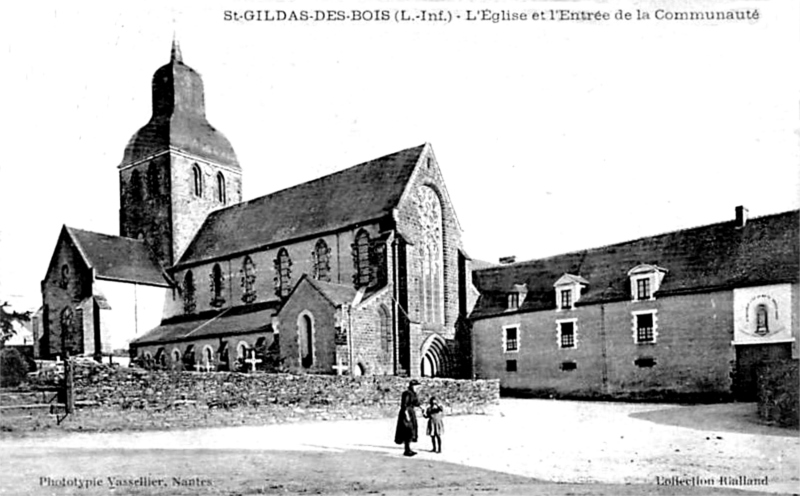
x=513 y=301
x=643 y=288
x=645 y=281
x=516 y=296
x=566 y=298
x=568 y=290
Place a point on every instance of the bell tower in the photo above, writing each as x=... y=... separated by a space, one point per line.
x=177 y=168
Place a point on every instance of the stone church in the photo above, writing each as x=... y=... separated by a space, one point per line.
x=358 y=272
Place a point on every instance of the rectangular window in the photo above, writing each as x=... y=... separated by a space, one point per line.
x=566 y=298
x=511 y=339
x=567 y=335
x=513 y=301
x=643 y=289
x=511 y=365
x=567 y=366
x=644 y=328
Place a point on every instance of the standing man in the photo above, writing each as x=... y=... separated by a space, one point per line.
x=406 y=432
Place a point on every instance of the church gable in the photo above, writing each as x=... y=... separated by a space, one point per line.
x=66 y=287
x=310 y=323
x=68 y=267
x=427 y=220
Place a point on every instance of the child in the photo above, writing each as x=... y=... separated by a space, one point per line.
x=434 y=413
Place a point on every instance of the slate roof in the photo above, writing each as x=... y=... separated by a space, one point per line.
x=221 y=323
x=718 y=256
x=178 y=119
x=115 y=257
x=335 y=293
x=361 y=193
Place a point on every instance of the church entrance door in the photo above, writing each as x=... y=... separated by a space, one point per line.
x=748 y=358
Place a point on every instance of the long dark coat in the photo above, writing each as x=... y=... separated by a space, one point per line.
x=406 y=430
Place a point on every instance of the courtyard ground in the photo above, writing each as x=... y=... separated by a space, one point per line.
x=525 y=447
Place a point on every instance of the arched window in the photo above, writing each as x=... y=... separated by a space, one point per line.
x=283 y=273
x=224 y=356
x=189 y=303
x=322 y=261
x=762 y=320
x=197 y=177
x=217 y=286
x=136 y=188
x=188 y=358
x=221 y=188
x=361 y=260
x=306 y=332
x=208 y=358
x=67 y=328
x=431 y=281
x=161 y=359
x=147 y=361
x=248 y=280
x=176 y=356
x=63 y=283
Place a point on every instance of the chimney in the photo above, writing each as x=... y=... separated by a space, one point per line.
x=508 y=260
x=741 y=217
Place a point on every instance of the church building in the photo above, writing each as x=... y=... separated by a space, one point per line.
x=359 y=272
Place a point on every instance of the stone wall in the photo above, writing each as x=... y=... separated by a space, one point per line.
x=778 y=393
x=121 y=398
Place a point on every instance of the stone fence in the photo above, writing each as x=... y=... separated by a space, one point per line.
x=120 y=398
x=777 y=384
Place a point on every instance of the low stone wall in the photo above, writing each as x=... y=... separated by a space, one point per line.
x=120 y=398
x=777 y=384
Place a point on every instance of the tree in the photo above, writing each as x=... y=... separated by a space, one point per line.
x=7 y=319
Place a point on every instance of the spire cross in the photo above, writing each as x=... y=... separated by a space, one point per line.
x=176 y=55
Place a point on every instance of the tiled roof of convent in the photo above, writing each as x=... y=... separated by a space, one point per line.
x=115 y=257
x=765 y=251
x=361 y=193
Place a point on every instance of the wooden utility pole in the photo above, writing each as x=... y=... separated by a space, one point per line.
x=69 y=384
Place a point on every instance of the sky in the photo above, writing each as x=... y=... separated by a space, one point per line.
x=551 y=136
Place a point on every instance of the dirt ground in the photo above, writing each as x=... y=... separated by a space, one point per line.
x=525 y=447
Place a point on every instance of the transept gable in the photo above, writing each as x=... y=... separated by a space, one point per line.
x=66 y=247
x=427 y=173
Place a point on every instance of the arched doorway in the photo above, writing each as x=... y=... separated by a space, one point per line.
x=435 y=357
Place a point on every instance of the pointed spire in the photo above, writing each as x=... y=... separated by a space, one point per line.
x=176 y=50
